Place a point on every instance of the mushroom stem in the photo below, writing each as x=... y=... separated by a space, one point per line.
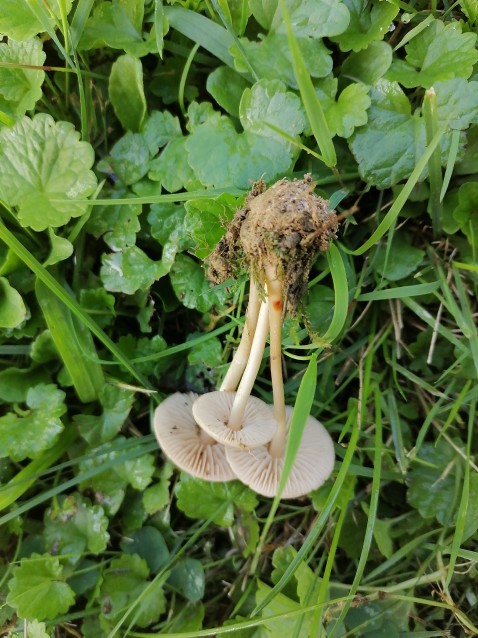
x=274 y=290
x=252 y=368
x=239 y=361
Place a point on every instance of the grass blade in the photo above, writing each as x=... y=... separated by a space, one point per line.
x=158 y=25
x=435 y=177
x=311 y=102
x=341 y=292
x=81 y=15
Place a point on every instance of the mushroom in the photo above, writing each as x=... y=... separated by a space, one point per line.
x=236 y=418
x=185 y=443
x=261 y=468
x=278 y=233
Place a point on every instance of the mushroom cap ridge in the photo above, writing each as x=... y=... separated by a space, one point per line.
x=313 y=464
x=185 y=444
x=212 y=410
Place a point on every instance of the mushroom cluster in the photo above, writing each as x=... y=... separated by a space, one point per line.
x=230 y=434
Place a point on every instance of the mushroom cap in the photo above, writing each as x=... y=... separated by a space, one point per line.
x=183 y=441
x=313 y=464
x=212 y=411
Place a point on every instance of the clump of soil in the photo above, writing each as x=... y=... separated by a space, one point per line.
x=279 y=229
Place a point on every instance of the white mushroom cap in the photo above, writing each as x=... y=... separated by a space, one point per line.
x=183 y=441
x=313 y=464
x=212 y=411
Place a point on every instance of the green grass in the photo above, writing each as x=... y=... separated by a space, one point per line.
x=106 y=311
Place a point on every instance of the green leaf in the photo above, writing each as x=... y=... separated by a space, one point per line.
x=458 y=100
x=20 y=87
x=12 y=307
x=17 y=21
x=156 y=497
x=441 y=52
x=148 y=543
x=130 y=270
x=202 y=499
x=15 y=383
x=74 y=343
x=226 y=87
x=37 y=588
x=465 y=212
x=279 y=606
x=118 y=224
x=350 y=110
x=116 y=403
x=272 y=57
x=269 y=102
x=188 y=578
x=172 y=169
x=206 y=219
x=369 y=21
x=73 y=525
x=191 y=287
x=130 y=158
x=159 y=129
x=312 y=19
x=38 y=428
x=118 y=25
x=399 y=260
x=123 y=583
x=61 y=249
x=370 y=64
x=44 y=162
x=126 y=93
x=144 y=347
x=431 y=487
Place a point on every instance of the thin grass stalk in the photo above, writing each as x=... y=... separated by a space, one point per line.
x=435 y=178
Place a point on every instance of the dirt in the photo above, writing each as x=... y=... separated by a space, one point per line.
x=280 y=229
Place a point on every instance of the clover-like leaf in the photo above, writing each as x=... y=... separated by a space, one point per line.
x=37 y=588
x=440 y=53
x=116 y=404
x=38 y=428
x=203 y=499
x=130 y=270
x=369 y=21
x=191 y=287
x=20 y=86
x=74 y=526
x=44 y=167
x=12 y=306
x=269 y=102
x=18 y=21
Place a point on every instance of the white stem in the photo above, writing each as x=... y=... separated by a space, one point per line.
x=239 y=361
x=274 y=290
x=252 y=368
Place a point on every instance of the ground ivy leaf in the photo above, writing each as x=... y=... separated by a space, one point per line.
x=172 y=169
x=206 y=219
x=280 y=605
x=312 y=19
x=191 y=287
x=386 y=148
x=349 y=111
x=431 y=487
x=369 y=21
x=15 y=382
x=272 y=57
x=148 y=543
x=74 y=526
x=38 y=428
x=156 y=497
x=123 y=582
x=116 y=403
x=457 y=99
x=126 y=91
x=370 y=64
x=98 y=302
x=400 y=261
x=159 y=129
x=130 y=270
x=188 y=578
x=19 y=23
x=117 y=224
x=20 y=87
x=43 y=348
x=12 y=307
x=61 y=249
x=43 y=161
x=118 y=25
x=203 y=499
x=130 y=158
x=135 y=348
x=37 y=588
x=226 y=87
x=465 y=212
x=440 y=53
x=269 y=102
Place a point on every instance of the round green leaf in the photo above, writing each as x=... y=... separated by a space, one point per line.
x=12 y=308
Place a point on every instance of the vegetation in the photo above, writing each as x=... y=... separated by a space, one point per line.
x=130 y=133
